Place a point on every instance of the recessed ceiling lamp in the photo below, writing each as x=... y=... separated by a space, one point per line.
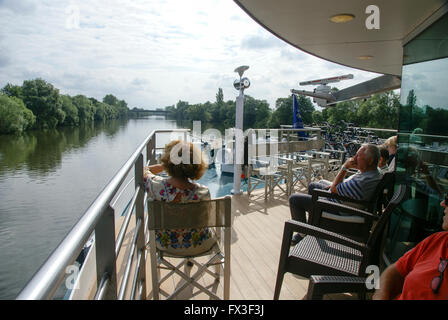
x=342 y=18
x=365 y=57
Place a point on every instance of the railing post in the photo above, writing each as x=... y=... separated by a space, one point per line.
x=151 y=150
x=140 y=214
x=105 y=252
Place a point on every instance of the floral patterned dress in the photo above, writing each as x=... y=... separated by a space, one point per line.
x=179 y=241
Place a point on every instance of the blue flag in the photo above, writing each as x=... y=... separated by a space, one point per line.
x=297 y=122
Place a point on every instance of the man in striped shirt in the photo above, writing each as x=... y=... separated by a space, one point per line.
x=359 y=186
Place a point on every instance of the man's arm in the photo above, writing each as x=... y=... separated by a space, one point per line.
x=391 y=284
x=339 y=178
x=349 y=164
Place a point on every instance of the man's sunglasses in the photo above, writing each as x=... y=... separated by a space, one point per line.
x=436 y=282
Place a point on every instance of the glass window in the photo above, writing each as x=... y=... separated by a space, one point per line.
x=422 y=155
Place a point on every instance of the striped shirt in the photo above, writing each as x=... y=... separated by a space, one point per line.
x=359 y=186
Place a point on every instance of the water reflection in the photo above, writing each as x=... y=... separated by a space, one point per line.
x=40 y=152
x=47 y=181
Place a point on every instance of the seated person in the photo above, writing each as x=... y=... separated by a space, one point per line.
x=178 y=188
x=359 y=186
x=419 y=274
x=418 y=172
x=391 y=145
x=384 y=157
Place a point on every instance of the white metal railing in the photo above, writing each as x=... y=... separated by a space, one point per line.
x=99 y=219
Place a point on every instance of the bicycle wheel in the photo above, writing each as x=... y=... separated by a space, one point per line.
x=339 y=146
x=352 y=148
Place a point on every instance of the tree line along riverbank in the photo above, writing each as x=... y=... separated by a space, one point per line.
x=37 y=104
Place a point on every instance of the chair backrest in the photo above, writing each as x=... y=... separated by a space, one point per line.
x=382 y=191
x=175 y=215
x=378 y=227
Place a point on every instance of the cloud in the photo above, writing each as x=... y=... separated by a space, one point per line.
x=22 y=7
x=151 y=53
x=256 y=42
x=4 y=58
x=293 y=54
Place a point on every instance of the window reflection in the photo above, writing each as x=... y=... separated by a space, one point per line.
x=422 y=157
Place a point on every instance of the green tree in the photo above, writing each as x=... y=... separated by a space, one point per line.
x=14 y=116
x=217 y=106
x=256 y=113
x=71 y=112
x=111 y=112
x=318 y=117
x=100 y=112
x=436 y=120
x=306 y=109
x=181 y=110
x=12 y=90
x=282 y=114
x=227 y=114
x=111 y=100
x=220 y=97
x=86 y=109
x=120 y=106
x=123 y=108
x=343 y=111
x=199 y=112
x=43 y=99
x=379 y=111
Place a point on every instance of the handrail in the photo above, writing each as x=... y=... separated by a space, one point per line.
x=104 y=284
x=125 y=224
x=46 y=280
x=124 y=282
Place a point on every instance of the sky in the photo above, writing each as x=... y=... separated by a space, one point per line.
x=152 y=53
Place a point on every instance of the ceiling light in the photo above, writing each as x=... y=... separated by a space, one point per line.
x=342 y=18
x=365 y=57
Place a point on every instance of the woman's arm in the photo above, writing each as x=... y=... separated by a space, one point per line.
x=391 y=284
x=155 y=168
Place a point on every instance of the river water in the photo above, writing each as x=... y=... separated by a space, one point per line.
x=48 y=179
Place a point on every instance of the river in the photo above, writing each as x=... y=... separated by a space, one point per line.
x=48 y=179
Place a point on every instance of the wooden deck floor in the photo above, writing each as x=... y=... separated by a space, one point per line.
x=257 y=229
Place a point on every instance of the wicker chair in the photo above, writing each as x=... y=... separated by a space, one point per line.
x=354 y=227
x=322 y=252
x=321 y=285
x=206 y=213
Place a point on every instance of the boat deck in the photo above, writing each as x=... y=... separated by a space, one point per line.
x=257 y=229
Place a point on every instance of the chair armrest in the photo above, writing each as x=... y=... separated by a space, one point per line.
x=292 y=225
x=328 y=194
x=339 y=207
x=320 y=285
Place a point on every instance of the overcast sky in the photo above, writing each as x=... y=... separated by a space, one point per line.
x=151 y=53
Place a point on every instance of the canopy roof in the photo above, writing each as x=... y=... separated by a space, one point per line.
x=306 y=25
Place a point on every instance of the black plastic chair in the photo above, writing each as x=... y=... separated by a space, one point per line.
x=322 y=252
x=355 y=227
x=321 y=285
